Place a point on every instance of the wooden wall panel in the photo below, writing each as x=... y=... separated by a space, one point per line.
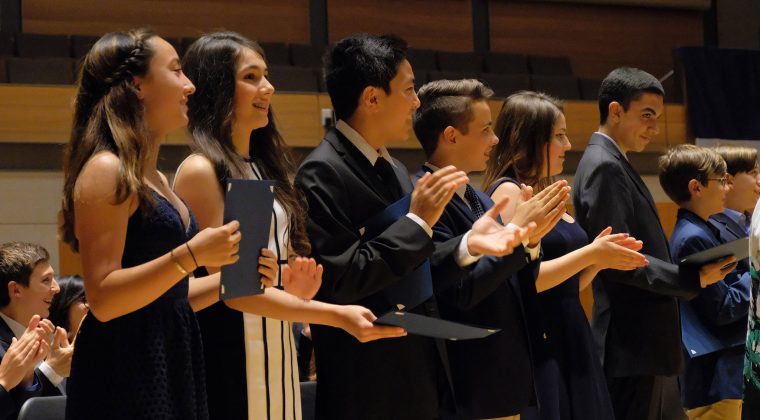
x=440 y=25
x=596 y=38
x=265 y=20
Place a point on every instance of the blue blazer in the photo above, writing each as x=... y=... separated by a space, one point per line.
x=722 y=309
x=492 y=377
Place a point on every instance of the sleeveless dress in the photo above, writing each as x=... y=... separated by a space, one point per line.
x=251 y=362
x=569 y=380
x=147 y=364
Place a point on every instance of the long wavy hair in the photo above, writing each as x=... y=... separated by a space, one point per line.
x=524 y=127
x=109 y=116
x=210 y=63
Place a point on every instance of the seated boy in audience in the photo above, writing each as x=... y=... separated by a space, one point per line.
x=711 y=384
x=27 y=287
x=18 y=382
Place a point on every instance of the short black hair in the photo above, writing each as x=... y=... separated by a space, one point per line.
x=623 y=85
x=446 y=103
x=359 y=61
x=17 y=262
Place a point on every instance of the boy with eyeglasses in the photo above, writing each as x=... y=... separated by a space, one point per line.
x=711 y=383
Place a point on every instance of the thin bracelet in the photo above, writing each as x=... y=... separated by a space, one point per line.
x=177 y=264
x=191 y=254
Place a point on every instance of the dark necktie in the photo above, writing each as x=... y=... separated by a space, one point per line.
x=472 y=199
x=388 y=177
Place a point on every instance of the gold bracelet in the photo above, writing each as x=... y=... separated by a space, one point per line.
x=177 y=264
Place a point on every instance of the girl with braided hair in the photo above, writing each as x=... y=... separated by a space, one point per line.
x=138 y=353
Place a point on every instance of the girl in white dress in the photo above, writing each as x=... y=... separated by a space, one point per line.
x=251 y=364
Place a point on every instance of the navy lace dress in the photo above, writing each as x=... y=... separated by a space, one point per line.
x=568 y=376
x=147 y=364
x=570 y=381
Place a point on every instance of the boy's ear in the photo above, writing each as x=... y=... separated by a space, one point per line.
x=695 y=188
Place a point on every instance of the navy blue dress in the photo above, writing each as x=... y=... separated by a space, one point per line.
x=570 y=382
x=147 y=364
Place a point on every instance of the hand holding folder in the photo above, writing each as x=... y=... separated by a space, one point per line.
x=251 y=203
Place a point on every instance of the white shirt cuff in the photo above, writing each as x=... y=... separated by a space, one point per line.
x=463 y=256
x=423 y=224
x=50 y=373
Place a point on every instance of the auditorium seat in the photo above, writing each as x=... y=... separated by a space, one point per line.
x=6 y=44
x=43 y=408
x=81 y=44
x=44 y=71
x=306 y=55
x=562 y=87
x=460 y=61
x=504 y=85
x=451 y=75
x=277 y=53
x=503 y=63
x=589 y=89
x=42 y=45
x=550 y=65
x=3 y=71
x=422 y=60
x=308 y=400
x=293 y=79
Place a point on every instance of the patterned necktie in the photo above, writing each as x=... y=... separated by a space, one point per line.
x=472 y=199
x=388 y=176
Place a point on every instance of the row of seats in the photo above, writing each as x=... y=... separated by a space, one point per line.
x=28 y=45
x=61 y=71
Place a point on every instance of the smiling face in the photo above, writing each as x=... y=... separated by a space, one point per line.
x=253 y=92
x=395 y=109
x=744 y=191
x=635 y=128
x=474 y=148
x=164 y=89
x=35 y=298
x=558 y=145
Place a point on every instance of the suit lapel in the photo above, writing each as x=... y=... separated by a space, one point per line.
x=722 y=221
x=358 y=163
x=456 y=200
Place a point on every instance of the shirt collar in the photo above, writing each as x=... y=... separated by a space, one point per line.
x=360 y=143
x=460 y=191
x=610 y=139
x=17 y=329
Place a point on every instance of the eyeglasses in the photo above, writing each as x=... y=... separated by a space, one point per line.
x=723 y=181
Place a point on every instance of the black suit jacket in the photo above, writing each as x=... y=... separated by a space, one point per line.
x=492 y=376
x=19 y=395
x=391 y=378
x=635 y=321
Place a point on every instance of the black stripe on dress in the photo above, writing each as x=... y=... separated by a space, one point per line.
x=282 y=359
x=266 y=361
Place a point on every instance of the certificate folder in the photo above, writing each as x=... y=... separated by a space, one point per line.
x=433 y=327
x=738 y=248
x=417 y=286
x=249 y=202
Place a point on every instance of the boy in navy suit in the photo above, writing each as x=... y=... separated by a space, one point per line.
x=695 y=179
x=492 y=376
x=743 y=175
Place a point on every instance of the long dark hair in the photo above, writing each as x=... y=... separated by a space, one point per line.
x=524 y=127
x=72 y=291
x=108 y=115
x=210 y=63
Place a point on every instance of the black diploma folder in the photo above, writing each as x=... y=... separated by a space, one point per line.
x=413 y=289
x=249 y=202
x=433 y=327
x=738 y=248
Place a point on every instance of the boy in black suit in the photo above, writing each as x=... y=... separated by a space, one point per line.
x=349 y=179
x=27 y=286
x=635 y=319
x=492 y=376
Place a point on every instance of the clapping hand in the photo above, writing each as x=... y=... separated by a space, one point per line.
x=489 y=237
x=302 y=277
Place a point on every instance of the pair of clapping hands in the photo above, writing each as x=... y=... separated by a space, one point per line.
x=26 y=352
